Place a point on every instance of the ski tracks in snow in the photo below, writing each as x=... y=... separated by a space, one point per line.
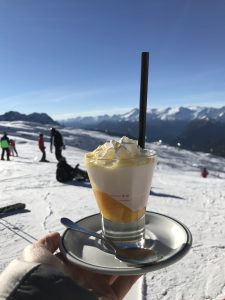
x=210 y=247
x=49 y=210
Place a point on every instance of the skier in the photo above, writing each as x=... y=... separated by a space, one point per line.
x=65 y=172
x=12 y=146
x=5 y=146
x=204 y=173
x=57 y=140
x=41 y=145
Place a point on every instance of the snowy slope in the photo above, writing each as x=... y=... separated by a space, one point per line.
x=178 y=191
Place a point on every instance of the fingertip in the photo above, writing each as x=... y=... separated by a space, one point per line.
x=54 y=235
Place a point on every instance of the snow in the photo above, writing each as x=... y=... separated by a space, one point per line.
x=178 y=191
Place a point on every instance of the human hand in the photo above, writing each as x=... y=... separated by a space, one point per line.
x=104 y=286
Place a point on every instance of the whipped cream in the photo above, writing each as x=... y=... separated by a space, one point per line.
x=125 y=148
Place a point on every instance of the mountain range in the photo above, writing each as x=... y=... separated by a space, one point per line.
x=164 y=114
x=193 y=128
x=41 y=118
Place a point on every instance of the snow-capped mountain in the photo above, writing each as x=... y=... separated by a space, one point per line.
x=196 y=128
x=188 y=113
x=165 y=114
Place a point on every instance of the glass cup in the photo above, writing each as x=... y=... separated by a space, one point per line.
x=121 y=188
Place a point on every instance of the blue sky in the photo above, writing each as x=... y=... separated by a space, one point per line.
x=82 y=57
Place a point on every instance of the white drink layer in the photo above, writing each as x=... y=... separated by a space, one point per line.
x=123 y=171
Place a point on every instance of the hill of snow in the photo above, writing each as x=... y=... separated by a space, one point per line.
x=178 y=190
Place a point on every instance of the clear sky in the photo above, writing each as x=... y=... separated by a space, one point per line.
x=82 y=57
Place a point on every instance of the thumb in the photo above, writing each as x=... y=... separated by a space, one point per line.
x=50 y=241
x=41 y=251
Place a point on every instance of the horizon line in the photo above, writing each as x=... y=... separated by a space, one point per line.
x=97 y=113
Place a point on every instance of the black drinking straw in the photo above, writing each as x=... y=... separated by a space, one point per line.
x=143 y=98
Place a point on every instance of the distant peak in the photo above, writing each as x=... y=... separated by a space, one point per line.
x=41 y=118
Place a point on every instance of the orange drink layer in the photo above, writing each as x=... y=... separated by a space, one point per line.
x=115 y=211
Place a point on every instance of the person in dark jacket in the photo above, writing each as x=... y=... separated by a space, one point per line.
x=41 y=145
x=56 y=140
x=5 y=146
x=64 y=171
x=204 y=173
x=40 y=274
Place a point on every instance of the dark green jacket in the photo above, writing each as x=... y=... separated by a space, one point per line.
x=5 y=142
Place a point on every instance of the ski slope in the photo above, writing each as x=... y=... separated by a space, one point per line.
x=178 y=190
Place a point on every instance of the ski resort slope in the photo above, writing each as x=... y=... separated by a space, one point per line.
x=178 y=190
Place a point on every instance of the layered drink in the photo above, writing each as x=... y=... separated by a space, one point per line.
x=121 y=174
